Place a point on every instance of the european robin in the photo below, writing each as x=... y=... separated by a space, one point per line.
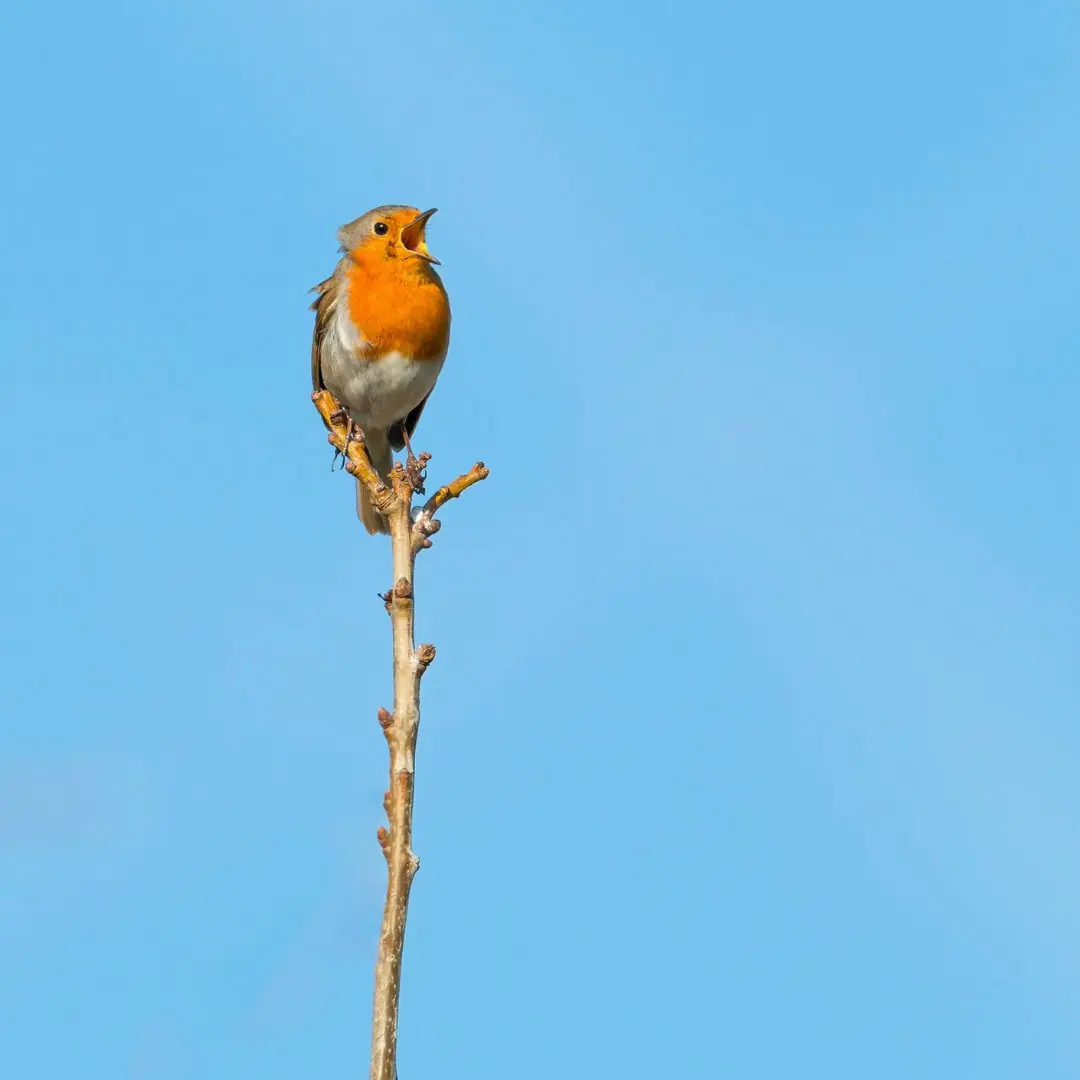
x=382 y=329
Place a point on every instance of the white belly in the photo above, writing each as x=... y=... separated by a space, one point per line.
x=375 y=393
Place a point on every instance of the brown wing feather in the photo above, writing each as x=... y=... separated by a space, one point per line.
x=322 y=304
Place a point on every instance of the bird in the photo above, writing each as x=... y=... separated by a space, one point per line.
x=382 y=331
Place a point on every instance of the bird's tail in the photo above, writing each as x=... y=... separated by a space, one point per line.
x=378 y=448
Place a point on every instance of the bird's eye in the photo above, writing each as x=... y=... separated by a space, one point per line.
x=380 y=228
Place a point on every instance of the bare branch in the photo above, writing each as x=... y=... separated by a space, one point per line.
x=407 y=537
x=348 y=440
x=424 y=523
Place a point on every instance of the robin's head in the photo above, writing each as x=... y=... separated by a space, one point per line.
x=389 y=232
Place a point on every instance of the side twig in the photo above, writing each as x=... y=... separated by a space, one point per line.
x=408 y=535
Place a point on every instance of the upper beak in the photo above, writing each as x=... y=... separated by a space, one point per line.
x=412 y=236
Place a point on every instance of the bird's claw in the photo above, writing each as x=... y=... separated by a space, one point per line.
x=414 y=471
x=350 y=437
x=352 y=434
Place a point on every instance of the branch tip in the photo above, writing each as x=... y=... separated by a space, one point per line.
x=424 y=522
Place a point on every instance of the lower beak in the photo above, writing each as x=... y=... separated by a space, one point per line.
x=412 y=236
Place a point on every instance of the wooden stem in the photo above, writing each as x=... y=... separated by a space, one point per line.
x=408 y=535
x=401 y=732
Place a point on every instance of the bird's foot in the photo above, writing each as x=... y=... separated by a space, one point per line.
x=415 y=467
x=352 y=434
x=339 y=416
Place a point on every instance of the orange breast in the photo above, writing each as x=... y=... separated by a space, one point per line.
x=399 y=307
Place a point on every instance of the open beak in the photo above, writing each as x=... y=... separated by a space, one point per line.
x=412 y=236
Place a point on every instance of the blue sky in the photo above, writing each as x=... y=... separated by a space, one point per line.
x=751 y=745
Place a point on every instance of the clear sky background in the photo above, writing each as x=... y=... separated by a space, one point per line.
x=751 y=748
